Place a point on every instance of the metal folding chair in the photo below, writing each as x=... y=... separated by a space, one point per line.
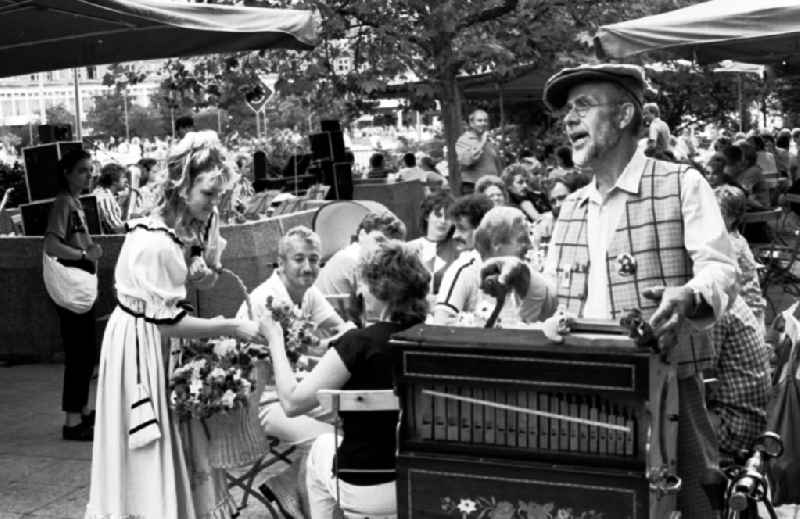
x=349 y=401
x=781 y=267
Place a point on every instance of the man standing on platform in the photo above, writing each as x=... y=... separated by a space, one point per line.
x=476 y=154
x=642 y=234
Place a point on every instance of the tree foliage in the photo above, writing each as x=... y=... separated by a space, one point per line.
x=59 y=114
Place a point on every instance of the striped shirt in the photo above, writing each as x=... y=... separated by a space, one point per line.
x=461 y=283
x=109 y=209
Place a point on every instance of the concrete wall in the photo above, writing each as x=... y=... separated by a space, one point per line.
x=28 y=320
x=29 y=326
x=402 y=198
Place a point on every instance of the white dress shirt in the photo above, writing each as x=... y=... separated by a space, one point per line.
x=705 y=239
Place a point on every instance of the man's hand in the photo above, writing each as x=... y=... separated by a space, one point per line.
x=507 y=271
x=676 y=304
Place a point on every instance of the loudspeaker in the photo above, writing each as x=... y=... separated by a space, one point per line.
x=337 y=175
x=41 y=168
x=297 y=164
x=327 y=146
x=63 y=132
x=331 y=125
x=36 y=214
x=259 y=165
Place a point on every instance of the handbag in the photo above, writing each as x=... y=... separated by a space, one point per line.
x=783 y=417
x=144 y=428
x=69 y=287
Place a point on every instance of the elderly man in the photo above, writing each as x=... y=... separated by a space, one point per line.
x=293 y=282
x=476 y=154
x=340 y=277
x=642 y=234
x=502 y=232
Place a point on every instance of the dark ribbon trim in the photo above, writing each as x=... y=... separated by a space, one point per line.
x=141 y=426
x=140 y=402
x=168 y=232
x=169 y=320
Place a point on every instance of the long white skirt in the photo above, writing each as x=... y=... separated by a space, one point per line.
x=150 y=482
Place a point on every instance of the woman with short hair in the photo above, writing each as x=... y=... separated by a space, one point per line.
x=436 y=247
x=359 y=360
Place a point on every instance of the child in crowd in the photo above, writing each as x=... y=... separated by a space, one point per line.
x=733 y=204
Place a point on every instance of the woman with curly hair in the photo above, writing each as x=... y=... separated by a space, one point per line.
x=360 y=359
x=138 y=464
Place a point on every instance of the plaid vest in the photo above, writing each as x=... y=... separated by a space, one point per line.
x=651 y=231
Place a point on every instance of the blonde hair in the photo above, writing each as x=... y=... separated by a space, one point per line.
x=198 y=154
x=498 y=227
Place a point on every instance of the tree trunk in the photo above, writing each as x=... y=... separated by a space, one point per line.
x=451 y=118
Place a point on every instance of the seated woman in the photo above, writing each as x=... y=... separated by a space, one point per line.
x=436 y=248
x=493 y=187
x=360 y=359
x=517 y=180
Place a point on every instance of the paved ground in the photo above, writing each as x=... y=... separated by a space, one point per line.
x=42 y=476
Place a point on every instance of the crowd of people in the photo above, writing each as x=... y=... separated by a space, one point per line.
x=616 y=218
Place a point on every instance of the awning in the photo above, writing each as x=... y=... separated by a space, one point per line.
x=766 y=32
x=39 y=35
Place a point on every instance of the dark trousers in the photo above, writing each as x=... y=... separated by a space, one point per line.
x=80 y=352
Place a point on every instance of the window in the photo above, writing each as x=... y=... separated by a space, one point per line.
x=91 y=72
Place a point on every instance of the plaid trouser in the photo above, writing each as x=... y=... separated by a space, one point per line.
x=742 y=369
x=697 y=448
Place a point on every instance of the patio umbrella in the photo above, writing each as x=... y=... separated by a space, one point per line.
x=39 y=35
x=766 y=32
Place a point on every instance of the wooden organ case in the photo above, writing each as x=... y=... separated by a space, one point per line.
x=506 y=424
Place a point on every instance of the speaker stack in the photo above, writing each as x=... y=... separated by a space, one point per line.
x=41 y=179
x=54 y=133
x=330 y=162
x=41 y=167
x=35 y=215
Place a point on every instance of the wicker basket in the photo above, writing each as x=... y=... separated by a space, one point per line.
x=237 y=438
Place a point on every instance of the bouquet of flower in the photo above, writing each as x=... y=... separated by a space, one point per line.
x=215 y=376
x=298 y=336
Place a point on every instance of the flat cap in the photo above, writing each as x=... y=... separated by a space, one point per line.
x=629 y=77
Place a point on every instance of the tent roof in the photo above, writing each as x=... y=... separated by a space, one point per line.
x=765 y=31
x=38 y=35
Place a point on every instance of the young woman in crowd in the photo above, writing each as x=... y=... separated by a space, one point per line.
x=67 y=239
x=436 y=248
x=494 y=188
x=531 y=202
x=139 y=465
x=360 y=359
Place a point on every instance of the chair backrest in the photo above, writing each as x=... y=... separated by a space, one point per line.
x=334 y=401
x=761 y=216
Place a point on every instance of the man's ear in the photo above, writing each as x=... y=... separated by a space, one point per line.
x=627 y=111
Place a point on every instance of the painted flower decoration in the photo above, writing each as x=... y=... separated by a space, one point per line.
x=503 y=510
x=626 y=265
x=467 y=506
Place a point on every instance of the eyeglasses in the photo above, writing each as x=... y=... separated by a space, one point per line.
x=581 y=108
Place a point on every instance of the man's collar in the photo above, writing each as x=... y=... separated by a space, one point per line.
x=629 y=181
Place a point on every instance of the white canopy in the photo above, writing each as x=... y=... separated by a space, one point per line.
x=752 y=31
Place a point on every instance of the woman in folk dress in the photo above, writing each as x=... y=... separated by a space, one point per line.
x=139 y=469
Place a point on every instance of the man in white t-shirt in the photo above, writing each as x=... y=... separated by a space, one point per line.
x=293 y=282
x=502 y=231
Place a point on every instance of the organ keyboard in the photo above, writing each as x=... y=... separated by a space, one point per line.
x=495 y=423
